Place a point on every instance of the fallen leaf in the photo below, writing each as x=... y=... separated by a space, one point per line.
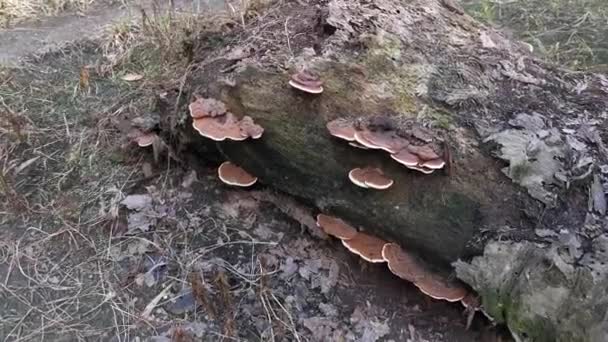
x=132 y=77
x=142 y=221
x=182 y=303
x=137 y=202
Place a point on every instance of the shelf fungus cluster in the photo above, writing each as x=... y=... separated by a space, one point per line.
x=414 y=150
x=211 y=119
x=401 y=263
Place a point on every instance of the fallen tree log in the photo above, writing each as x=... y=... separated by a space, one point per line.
x=521 y=210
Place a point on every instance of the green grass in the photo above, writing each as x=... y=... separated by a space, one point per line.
x=572 y=33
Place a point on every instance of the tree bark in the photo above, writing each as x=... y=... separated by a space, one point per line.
x=525 y=139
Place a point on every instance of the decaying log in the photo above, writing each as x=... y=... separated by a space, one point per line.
x=525 y=142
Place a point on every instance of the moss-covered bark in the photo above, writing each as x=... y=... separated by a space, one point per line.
x=434 y=214
x=494 y=105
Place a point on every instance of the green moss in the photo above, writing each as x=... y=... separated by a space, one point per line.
x=384 y=63
x=508 y=308
x=383 y=54
x=440 y=118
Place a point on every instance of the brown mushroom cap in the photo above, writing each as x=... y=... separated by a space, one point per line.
x=307 y=78
x=402 y=264
x=357 y=176
x=370 y=177
x=250 y=128
x=146 y=139
x=434 y=164
x=234 y=175
x=375 y=179
x=335 y=227
x=425 y=152
x=360 y=138
x=306 y=88
x=438 y=287
x=389 y=141
x=203 y=107
x=406 y=158
x=342 y=128
x=219 y=128
x=366 y=246
x=307 y=82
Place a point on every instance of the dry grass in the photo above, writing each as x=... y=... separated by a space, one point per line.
x=60 y=184
x=571 y=33
x=63 y=172
x=14 y=11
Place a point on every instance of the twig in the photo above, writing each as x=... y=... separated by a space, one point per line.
x=287 y=36
x=148 y=310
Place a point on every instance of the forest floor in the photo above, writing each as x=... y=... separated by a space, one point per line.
x=101 y=240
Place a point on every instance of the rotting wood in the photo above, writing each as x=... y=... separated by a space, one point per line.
x=524 y=138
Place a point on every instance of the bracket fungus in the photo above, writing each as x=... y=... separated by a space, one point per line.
x=406 y=266
x=204 y=107
x=440 y=288
x=379 y=133
x=219 y=128
x=402 y=264
x=388 y=141
x=234 y=175
x=335 y=227
x=142 y=139
x=369 y=177
x=250 y=128
x=425 y=152
x=212 y=120
x=406 y=158
x=419 y=158
x=307 y=82
x=342 y=128
x=366 y=246
x=433 y=164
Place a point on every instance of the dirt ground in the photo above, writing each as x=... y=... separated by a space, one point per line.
x=101 y=240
